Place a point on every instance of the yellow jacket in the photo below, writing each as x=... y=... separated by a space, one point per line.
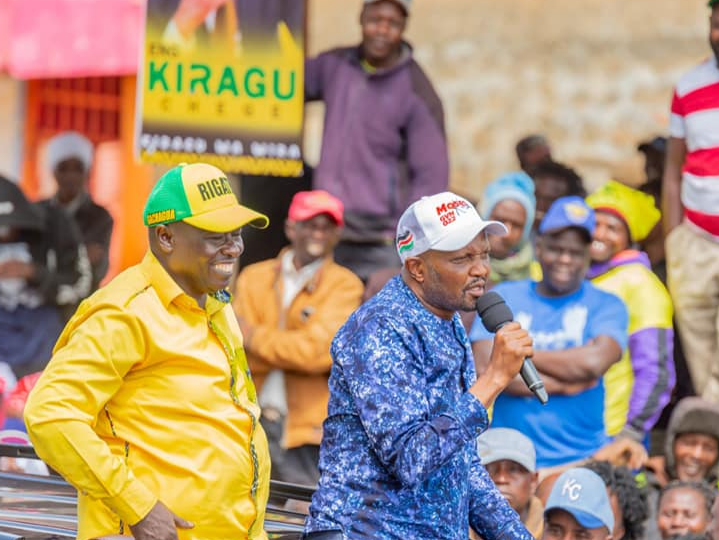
x=639 y=386
x=298 y=339
x=137 y=404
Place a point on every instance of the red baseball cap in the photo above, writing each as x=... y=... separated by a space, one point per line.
x=308 y=204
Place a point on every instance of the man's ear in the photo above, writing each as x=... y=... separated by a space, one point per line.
x=164 y=238
x=535 y=482
x=416 y=268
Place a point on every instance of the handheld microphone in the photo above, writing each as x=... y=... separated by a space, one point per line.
x=495 y=313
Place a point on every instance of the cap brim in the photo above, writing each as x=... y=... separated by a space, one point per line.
x=585 y=232
x=517 y=457
x=585 y=519
x=458 y=239
x=228 y=219
x=303 y=215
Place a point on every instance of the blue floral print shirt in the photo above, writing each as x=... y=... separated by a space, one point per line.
x=398 y=458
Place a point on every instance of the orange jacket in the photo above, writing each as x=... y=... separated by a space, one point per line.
x=297 y=339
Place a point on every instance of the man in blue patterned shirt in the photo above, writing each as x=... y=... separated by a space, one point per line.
x=398 y=458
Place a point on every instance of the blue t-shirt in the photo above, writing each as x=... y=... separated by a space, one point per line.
x=567 y=428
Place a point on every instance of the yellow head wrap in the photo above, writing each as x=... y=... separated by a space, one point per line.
x=635 y=207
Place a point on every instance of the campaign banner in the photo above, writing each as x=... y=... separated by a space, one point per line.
x=222 y=82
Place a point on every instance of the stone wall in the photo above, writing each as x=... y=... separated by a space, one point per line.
x=595 y=76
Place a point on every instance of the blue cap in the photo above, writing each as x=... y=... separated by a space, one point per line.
x=567 y=212
x=582 y=493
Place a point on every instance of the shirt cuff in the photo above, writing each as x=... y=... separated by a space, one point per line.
x=631 y=432
x=471 y=415
x=133 y=503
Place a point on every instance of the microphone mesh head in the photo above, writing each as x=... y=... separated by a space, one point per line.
x=493 y=311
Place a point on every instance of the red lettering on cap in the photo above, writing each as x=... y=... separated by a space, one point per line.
x=451 y=205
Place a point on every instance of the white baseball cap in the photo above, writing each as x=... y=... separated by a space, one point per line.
x=443 y=222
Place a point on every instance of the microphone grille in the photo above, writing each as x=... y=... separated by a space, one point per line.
x=493 y=311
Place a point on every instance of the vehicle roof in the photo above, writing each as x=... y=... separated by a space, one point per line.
x=44 y=507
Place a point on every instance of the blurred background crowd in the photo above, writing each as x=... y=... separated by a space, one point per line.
x=555 y=118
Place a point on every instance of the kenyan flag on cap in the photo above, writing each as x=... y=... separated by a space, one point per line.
x=405 y=242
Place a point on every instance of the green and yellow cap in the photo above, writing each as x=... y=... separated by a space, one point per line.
x=634 y=207
x=198 y=194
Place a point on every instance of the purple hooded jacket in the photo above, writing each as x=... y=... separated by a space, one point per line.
x=384 y=144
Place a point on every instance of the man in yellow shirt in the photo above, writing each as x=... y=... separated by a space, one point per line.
x=147 y=406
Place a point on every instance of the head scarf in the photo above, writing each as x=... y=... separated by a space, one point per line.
x=635 y=207
x=517 y=186
x=67 y=145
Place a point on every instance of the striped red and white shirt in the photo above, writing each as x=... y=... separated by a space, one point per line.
x=695 y=118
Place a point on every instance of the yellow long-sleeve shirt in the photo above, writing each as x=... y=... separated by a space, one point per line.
x=138 y=405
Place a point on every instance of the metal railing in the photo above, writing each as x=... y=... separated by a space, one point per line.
x=282 y=521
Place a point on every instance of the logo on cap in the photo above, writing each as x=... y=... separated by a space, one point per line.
x=161 y=216
x=405 y=242
x=571 y=489
x=216 y=187
x=449 y=211
x=576 y=212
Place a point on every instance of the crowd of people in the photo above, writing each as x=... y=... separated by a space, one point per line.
x=53 y=254
x=357 y=349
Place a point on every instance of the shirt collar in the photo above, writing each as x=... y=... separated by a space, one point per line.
x=215 y=302
x=167 y=288
x=303 y=274
x=628 y=256
x=169 y=291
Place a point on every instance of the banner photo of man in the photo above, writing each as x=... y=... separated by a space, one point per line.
x=222 y=82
